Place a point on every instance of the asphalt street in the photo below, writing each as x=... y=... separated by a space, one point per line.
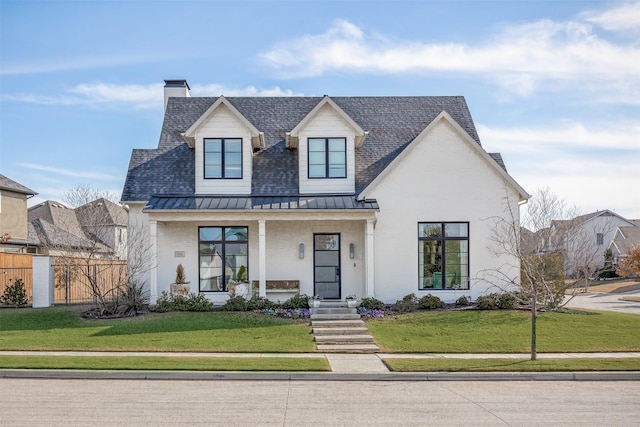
x=48 y=402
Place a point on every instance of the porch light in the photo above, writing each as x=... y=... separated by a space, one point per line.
x=301 y=250
x=352 y=250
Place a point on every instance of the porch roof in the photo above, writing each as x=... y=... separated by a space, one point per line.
x=314 y=202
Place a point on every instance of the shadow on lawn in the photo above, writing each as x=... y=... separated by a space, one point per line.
x=188 y=322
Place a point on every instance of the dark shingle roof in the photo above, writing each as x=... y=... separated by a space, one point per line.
x=392 y=123
x=11 y=185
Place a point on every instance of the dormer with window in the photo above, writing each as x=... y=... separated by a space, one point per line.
x=326 y=140
x=224 y=142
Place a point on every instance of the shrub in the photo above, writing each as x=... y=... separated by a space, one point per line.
x=497 y=301
x=371 y=303
x=430 y=302
x=235 y=303
x=193 y=302
x=462 y=301
x=134 y=299
x=260 y=303
x=15 y=294
x=288 y=313
x=297 y=301
x=407 y=304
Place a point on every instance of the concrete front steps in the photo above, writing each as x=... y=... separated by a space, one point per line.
x=337 y=328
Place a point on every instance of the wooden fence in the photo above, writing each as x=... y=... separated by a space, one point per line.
x=75 y=279
x=16 y=266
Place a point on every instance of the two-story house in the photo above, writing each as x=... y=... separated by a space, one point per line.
x=372 y=196
x=15 y=235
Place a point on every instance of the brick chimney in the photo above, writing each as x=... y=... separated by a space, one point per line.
x=175 y=88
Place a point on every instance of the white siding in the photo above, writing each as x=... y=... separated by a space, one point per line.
x=223 y=124
x=327 y=123
x=443 y=179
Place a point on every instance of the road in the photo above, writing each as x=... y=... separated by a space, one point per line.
x=40 y=402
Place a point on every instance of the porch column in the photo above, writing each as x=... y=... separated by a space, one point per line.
x=262 y=258
x=369 y=259
x=153 y=255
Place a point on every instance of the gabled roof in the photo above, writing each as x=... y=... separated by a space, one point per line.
x=257 y=137
x=626 y=238
x=292 y=137
x=588 y=217
x=11 y=185
x=444 y=116
x=392 y=123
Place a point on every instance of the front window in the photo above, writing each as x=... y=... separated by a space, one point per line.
x=222 y=158
x=327 y=157
x=443 y=255
x=223 y=251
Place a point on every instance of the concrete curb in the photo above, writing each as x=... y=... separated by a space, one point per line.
x=320 y=376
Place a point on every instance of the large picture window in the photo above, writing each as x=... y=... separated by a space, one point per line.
x=443 y=255
x=327 y=157
x=222 y=158
x=223 y=256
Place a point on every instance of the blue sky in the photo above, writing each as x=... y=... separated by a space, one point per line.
x=552 y=85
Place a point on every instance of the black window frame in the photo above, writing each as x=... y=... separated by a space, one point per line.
x=223 y=171
x=327 y=164
x=442 y=239
x=223 y=242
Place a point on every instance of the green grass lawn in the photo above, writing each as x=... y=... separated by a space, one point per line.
x=474 y=331
x=165 y=363
x=61 y=328
x=511 y=365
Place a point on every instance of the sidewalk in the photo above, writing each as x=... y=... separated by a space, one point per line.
x=343 y=367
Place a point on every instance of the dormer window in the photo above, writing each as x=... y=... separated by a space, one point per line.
x=327 y=157
x=222 y=158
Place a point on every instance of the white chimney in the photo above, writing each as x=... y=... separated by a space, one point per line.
x=175 y=88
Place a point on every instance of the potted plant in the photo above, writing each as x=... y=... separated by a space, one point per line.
x=180 y=286
x=314 y=301
x=352 y=300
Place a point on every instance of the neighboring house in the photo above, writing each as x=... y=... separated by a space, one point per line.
x=588 y=238
x=96 y=229
x=624 y=239
x=16 y=235
x=374 y=196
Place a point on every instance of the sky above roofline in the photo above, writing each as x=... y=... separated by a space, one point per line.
x=552 y=85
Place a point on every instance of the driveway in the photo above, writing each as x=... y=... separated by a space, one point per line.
x=623 y=302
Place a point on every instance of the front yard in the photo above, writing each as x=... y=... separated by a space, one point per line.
x=464 y=331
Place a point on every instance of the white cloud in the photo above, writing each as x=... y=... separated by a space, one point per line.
x=616 y=136
x=89 y=175
x=622 y=18
x=137 y=96
x=217 y=90
x=594 y=168
x=518 y=58
x=66 y=64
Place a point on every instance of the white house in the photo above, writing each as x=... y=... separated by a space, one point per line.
x=372 y=196
x=588 y=238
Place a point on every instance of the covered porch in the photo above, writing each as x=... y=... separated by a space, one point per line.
x=324 y=243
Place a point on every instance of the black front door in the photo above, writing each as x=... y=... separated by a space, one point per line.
x=326 y=265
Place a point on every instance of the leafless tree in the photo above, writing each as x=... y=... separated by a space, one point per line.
x=548 y=242
x=92 y=241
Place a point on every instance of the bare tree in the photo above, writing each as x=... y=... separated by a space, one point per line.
x=91 y=240
x=549 y=242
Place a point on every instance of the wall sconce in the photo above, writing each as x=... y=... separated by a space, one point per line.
x=352 y=250
x=301 y=250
